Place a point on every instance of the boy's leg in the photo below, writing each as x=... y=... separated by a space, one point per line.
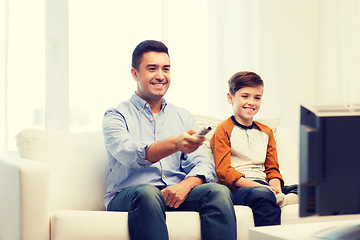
x=290 y=189
x=213 y=202
x=291 y=194
x=146 y=211
x=262 y=201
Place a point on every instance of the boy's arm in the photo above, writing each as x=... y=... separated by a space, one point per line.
x=275 y=183
x=272 y=170
x=221 y=146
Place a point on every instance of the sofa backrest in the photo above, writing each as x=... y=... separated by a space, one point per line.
x=78 y=163
x=77 y=166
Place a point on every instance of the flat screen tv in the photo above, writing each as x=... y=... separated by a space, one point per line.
x=329 y=181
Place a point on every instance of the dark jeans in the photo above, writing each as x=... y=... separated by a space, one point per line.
x=262 y=201
x=146 y=208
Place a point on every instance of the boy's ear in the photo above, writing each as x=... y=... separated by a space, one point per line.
x=229 y=97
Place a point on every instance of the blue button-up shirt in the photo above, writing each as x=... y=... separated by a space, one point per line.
x=130 y=129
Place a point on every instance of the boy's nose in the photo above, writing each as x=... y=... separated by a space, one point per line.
x=251 y=101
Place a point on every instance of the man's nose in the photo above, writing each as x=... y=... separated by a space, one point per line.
x=160 y=75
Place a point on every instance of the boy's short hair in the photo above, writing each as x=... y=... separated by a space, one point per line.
x=144 y=47
x=244 y=79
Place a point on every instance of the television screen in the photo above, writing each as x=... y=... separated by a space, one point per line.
x=329 y=181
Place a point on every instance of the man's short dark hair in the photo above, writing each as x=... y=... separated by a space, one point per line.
x=244 y=79
x=144 y=47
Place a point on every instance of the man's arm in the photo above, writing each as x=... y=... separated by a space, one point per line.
x=176 y=194
x=185 y=143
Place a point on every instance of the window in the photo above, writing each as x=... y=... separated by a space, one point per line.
x=100 y=47
x=100 y=44
x=23 y=68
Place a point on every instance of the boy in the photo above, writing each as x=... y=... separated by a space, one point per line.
x=245 y=153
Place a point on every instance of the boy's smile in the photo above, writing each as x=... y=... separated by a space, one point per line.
x=246 y=103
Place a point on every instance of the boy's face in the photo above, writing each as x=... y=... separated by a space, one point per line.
x=246 y=103
x=153 y=76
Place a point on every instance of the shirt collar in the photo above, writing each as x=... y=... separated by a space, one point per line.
x=240 y=125
x=141 y=104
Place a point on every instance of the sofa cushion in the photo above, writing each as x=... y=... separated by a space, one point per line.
x=71 y=224
x=77 y=165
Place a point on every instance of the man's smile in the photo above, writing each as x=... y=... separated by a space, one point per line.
x=158 y=84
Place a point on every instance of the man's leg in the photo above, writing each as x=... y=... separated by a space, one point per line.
x=262 y=201
x=213 y=202
x=146 y=208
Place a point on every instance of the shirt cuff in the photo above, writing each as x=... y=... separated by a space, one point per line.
x=141 y=152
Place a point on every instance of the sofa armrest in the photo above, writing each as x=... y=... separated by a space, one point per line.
x=24 y=203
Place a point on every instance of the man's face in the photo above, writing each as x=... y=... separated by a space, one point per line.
x=153 y=76
x=246 y=103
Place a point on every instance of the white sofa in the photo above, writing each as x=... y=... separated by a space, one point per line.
x=55 y=188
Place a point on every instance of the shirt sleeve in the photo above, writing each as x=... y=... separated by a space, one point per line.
x=271 y=162
x=272 y=169
x=197 y=163
x=119 y=142
x=221 y=146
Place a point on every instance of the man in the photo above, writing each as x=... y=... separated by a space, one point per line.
x=156 y=163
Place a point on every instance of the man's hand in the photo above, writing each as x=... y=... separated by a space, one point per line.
x=187 y=143
x=175 y=195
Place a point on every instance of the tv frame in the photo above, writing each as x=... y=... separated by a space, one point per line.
x=329 y=179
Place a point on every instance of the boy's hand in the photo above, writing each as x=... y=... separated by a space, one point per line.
x=275 y=185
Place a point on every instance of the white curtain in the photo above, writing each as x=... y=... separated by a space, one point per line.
x=3 y=80
x=306 y=51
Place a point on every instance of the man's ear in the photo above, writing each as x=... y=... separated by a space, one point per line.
x=229 y=98
x=134 y=73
